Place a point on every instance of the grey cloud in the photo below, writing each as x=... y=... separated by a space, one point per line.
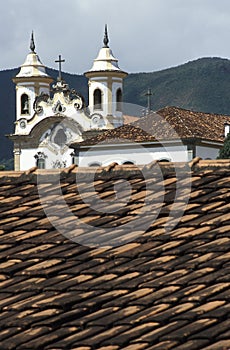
x=145 y=35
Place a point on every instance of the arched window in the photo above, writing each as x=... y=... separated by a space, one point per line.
x=119 y=100
x=128 y=163
x=24 y=104
x=96 y=164
x=97 y=99
x=40 y=160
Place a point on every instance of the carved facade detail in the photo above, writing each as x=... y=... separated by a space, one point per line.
x=97 y=121
x=58 y=164
x=58 y=108
x=43 y=97
x=63 y=98
x=51 y=116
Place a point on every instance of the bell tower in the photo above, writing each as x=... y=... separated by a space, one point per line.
x=106 y=86
x=31 y=80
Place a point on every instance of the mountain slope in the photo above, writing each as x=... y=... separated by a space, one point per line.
x=200 y=85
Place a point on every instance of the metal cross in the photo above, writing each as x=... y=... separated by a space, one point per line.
x=60 y=62
x=149 y=94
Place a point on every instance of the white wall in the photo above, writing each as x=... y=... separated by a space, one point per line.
x=137 y=154
x=28 y=161
x=205 y=152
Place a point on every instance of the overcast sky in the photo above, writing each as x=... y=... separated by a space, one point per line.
x=145 y=35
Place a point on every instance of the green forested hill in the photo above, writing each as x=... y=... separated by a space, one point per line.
x=200 y=85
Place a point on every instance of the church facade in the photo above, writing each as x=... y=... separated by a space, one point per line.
x=49 y=118
x=54 y=128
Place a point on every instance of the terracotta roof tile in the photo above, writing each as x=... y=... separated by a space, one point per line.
x=162 y=345
x=158 y=289
x=220 y=345
x=187 y=124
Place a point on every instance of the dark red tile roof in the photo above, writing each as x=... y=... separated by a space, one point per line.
x=160 y=289
x=174 y=122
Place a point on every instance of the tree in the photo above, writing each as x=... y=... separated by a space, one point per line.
x=6 y=164
x=224 y=152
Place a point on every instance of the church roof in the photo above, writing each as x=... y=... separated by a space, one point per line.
x=105 y=61
x=167 y=123
x=129 y=119
x=159 y=290
x=32 y=67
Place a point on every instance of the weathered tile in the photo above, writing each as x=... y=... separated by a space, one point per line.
x=161 y=290
x=220 y=345
x=193 y=344
x=21 y=339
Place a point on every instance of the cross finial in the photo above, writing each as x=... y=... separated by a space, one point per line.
x=32 y=44
x=106 y=38
x=60 y=62
x=149 y=94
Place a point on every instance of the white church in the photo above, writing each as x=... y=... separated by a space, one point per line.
x=49 y=118
x=54 y=128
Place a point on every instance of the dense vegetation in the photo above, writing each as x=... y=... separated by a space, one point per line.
x=201 y=85
x=224 y=152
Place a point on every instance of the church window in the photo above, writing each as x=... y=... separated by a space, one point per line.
x=128 y=163
x=40 y=160
x=24 y=104
x=95 y=164
x=60 y=138
x=119 y=100
x=97 y=99
x=41 y=163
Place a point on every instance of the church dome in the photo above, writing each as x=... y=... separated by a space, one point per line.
x=105 y=60
x=32 y=67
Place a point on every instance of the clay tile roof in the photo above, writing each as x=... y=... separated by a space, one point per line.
x=129 y=119
x=187 y=124
x=97 y=277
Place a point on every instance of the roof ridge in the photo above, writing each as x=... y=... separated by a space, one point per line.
x=191 y=111
x=195 y=164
